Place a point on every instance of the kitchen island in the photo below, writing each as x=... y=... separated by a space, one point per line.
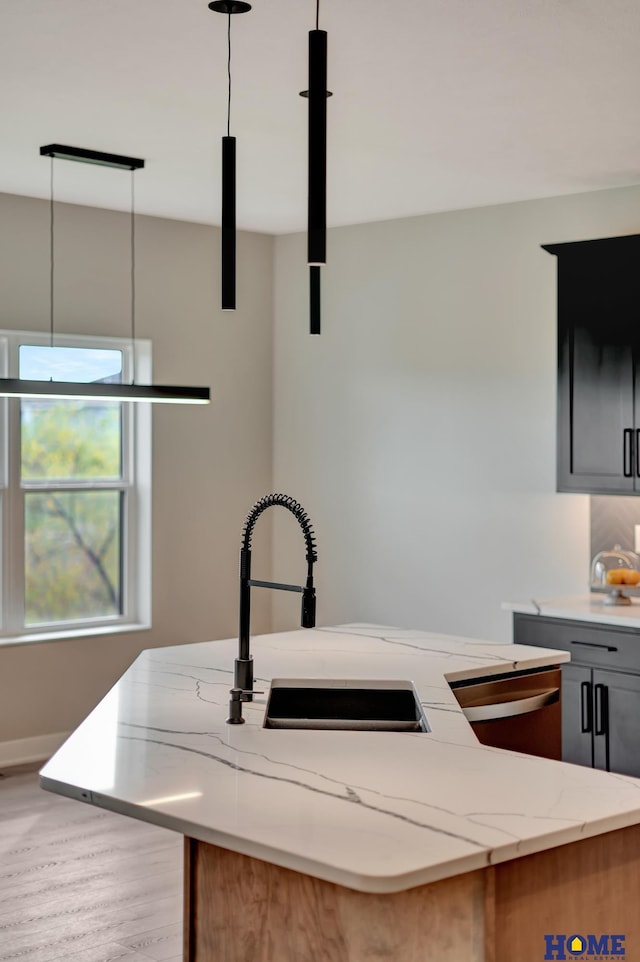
x=356 y=845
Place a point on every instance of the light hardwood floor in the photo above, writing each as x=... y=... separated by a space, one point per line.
x=81 y=884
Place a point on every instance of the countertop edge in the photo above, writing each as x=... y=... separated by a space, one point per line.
x=579 y=608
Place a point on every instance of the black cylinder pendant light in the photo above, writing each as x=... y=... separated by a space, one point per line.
x=317 y=94
x=228 y=256
x=317 y=190
x=314 y=300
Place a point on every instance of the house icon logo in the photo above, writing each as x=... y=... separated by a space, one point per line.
x=590 y=948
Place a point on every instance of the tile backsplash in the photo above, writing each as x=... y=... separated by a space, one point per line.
x=613 y=522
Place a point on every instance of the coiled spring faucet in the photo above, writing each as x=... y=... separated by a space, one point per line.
x=243 y=675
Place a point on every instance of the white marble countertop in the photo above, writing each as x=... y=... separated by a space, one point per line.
x=374 y=811
x=589 y=607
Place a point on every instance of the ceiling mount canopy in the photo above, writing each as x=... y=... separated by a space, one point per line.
x=96 y=390
x=230 y=6
x=62 y=152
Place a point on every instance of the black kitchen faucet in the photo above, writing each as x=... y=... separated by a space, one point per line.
x=243 y=675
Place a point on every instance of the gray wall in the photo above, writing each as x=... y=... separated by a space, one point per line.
x=419 y=429
x=209 y=463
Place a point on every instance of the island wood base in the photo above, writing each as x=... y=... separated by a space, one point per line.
x=241 y=909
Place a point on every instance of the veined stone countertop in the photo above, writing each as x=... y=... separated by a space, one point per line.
x=373 y=811
x=589 y=607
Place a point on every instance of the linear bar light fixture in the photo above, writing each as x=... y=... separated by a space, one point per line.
x=98 y=391
x=228 y=256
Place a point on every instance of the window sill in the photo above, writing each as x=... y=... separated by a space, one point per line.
x=67 y=634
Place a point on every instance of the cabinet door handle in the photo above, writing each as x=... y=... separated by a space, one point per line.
x=638 y=452
x=602 y=710
x=586 y=707
x=592 y=644
x=627 y=452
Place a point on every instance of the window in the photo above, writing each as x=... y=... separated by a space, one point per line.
x=75 y=492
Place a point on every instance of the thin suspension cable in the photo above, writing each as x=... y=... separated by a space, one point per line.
x=229 y=76
x=133 y=282
x=51 y=259
x=317 y=14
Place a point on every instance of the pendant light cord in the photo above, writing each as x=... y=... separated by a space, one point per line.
x=133 y=269
x=51 y=257
x=229 y=76
x=133 y=282
x=317 y=14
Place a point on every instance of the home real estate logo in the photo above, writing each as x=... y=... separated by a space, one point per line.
x=591 y=948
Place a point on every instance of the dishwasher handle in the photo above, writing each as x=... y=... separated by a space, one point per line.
x=509 y=709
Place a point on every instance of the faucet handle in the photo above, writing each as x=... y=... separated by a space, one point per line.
x=308 y=613
x=235 y=705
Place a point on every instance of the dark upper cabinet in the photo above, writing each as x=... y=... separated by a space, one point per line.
x=598 y=365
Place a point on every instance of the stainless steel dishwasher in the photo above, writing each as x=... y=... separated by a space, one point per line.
x=519 y=711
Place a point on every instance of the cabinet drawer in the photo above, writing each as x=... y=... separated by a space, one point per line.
x=601 y=646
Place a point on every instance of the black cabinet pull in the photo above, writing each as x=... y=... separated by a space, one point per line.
x=637 y=452
x=602 y=710
x=592 y=644
x=586 y=709
x=627 y=452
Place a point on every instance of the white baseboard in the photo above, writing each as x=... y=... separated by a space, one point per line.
x=25 y=750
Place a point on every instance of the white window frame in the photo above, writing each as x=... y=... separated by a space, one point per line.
x=135 y=483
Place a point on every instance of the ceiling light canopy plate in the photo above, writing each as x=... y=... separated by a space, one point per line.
x=96 y=391
x=230 y=6
x=84 y=156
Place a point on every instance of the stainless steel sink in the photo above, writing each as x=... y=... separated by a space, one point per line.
x=352 y=705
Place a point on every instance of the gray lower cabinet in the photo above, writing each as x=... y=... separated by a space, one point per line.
x=616 y=722
x=600 y=702
x=601 y=719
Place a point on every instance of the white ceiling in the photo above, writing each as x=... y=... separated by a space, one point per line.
x=438 y=104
